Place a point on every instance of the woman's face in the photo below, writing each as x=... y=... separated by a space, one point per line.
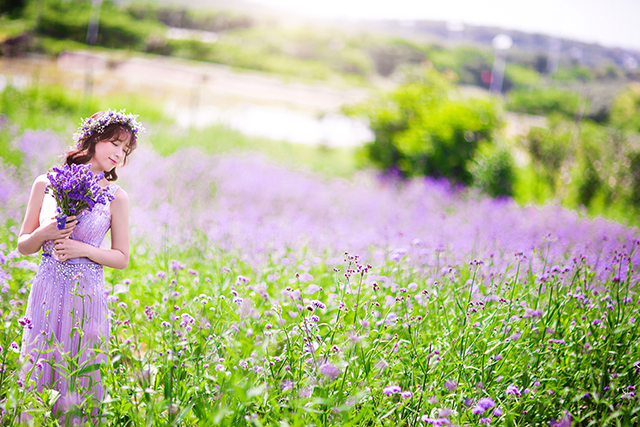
x=109 y=153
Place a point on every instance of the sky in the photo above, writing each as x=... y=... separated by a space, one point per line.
x=611 y=23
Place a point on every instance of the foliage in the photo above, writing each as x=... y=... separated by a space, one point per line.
x=583 y=164
x=387 y=57
x=204 y=20
x=421 y=129
x=69 y=20
x=467 y=61
x=522 y=76
x=625 y=108
x=494 y=171
x=12 y=8
x=576 y=73
x=59 y=108
x=544 y=101
x=11 y=27
x=549 y=149
x=294 y=52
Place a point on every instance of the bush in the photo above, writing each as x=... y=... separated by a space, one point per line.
x=494 y=172
x=548 y=148
x=544 y=101
x=469 y=62
x=421 y=129
x=69 y=20
x=521 y=76
x=12 y=7
x=625 y=108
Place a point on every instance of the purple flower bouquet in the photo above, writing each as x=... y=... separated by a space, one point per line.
x=75 y=189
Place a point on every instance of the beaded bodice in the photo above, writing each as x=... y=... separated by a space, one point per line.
x=92 y=225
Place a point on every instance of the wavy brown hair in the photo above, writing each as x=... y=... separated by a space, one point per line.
x=86 y=147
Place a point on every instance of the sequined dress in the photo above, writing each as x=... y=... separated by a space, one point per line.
x=65 y=295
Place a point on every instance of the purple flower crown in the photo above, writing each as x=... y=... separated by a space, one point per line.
x=90 y=126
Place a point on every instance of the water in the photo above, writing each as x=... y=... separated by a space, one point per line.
x=333 y=130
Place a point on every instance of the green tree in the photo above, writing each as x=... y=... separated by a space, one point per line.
x=425 y=128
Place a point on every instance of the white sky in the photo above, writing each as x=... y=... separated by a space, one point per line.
x=607 y=22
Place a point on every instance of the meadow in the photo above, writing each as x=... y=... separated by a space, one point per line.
x=258 y=295
x=280 y=285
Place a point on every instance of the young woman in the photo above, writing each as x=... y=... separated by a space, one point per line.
x=67 y=320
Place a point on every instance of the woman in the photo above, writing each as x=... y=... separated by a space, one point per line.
x=67 y=320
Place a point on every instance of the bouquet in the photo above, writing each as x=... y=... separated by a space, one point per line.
x=75 y=189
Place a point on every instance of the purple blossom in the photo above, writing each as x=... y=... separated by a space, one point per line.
x=565 y=421
x=391 y=389
x=25 y=322
x=406 y=394
x=287 y=385
x=329 y=370
x=450 y=385
x=435 y=421
x=486 y=403
x=513 y=390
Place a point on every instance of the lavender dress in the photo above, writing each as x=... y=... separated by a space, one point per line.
x=66 y=295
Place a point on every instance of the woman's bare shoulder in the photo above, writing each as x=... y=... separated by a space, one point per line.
x=41 y=182
x=120 y=198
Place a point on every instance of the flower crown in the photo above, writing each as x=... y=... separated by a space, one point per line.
x=89 y=126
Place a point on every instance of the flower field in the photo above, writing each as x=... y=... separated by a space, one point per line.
x=258 y=295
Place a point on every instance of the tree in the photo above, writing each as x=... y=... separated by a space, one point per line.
x=425 y=128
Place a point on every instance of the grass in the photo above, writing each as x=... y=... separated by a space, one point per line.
x=59 y=109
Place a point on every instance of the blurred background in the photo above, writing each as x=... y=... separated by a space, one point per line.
x=538 y=101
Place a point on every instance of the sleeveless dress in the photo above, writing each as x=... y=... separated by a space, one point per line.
x=64 y=296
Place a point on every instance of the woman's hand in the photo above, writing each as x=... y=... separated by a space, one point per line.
x=64 y=249
x=49 y=228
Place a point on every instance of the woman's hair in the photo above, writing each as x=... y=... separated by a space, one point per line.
x=86 y=147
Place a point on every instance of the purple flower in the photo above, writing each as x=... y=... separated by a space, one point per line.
x=486 y=403
x=287 y=385
x=406 y=394
x=435 y=421
x=450 y=385
x=25 y=322
x=312 y=289
x=330 y=371
x=533 y=313
x=497 y=412
x=486 y=421
x=565 y=421
x=391 y=389
x=513 y=390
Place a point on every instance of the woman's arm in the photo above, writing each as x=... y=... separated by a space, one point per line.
x=118 y=255
x=33 y=234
